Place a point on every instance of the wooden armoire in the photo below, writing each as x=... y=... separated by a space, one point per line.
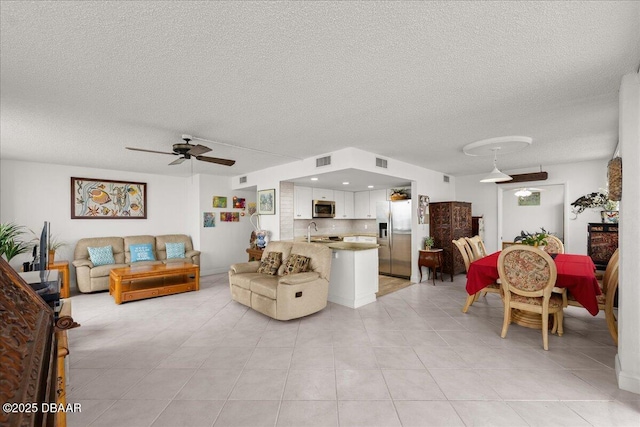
x=449 y=221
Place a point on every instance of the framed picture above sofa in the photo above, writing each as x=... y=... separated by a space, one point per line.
x=106 y=199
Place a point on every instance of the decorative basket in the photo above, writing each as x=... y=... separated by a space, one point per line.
x=398 y=196
x=614 y=171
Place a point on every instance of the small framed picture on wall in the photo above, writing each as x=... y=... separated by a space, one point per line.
x=267 y=202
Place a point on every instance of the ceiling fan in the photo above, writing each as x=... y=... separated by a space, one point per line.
x=187 y=150
x=525 y=191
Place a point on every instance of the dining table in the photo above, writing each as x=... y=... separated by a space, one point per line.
x=576 y=273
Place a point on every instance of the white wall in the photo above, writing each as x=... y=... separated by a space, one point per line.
x=549 y=214
x=424 y=181
x=31 y=193
x=628 y=360
x=579 y=179
x=226 y=243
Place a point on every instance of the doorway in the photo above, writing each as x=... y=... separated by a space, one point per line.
x=544 y=208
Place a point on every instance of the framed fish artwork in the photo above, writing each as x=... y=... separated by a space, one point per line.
x=107 y=199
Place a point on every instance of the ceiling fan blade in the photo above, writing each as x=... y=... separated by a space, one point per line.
x=150 y=151
x=225 y=162
x=198 y=149
x=177 y=161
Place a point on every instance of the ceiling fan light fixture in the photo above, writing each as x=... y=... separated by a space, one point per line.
x=523 y=192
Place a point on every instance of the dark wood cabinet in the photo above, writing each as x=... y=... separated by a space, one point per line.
x=449 y=221
x=602 y=243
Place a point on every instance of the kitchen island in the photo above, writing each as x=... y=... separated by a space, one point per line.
x=354 y=273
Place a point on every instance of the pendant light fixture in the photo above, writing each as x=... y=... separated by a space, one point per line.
x=496 y=175
x=504 y=144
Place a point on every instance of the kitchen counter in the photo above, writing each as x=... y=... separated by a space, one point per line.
x=354 y=273
x=351 y=246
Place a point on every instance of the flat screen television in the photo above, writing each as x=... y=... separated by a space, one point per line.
x=43 y=257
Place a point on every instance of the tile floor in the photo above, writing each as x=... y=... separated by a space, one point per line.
x=411 y=359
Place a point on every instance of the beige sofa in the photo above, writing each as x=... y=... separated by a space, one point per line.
x=284 y=297
x=92 y=278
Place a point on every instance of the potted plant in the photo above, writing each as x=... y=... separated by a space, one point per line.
x=538 y=240
x=428 y=242
x=597 y=199
x=399 y=194
x=52 y=246
x=10 y=244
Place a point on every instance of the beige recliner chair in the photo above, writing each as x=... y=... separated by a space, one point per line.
x=279 y=296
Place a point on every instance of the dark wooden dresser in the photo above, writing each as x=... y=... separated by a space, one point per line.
x=602 y=242
x=449 y=221
x=28 y=349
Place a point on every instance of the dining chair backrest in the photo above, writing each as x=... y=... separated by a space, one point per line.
x=477 y=247
x=527 y=271
x=612 y=265
x=611 y=283
x=528 y=276
x=554 y=245
x=461 y=244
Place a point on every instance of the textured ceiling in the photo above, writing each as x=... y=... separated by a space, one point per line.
x=414 y=81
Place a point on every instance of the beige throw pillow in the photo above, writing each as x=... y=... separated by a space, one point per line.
x=271 y=263
x=296 y=264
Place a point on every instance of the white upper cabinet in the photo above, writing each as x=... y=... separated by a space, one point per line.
x=361 y=205
x=323 y=194
x=302 y=202
x=365 y=203
x=376 y=196
x=348 y=205
x=344 y=204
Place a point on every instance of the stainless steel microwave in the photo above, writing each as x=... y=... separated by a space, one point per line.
x=324 y=209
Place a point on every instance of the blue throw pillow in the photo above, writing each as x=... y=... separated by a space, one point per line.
x=175 y=250
x=143 y=252
x=101 y=256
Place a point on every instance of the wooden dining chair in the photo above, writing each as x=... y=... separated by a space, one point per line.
x=528 y=276
x=477 y=247
x=609 y=287
x=554 y=245
x=466 y=253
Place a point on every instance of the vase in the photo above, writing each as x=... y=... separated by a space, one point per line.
x=610 y=217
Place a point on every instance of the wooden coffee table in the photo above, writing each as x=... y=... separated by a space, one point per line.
x=149 y=281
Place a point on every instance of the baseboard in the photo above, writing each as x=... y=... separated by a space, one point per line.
x=353 y=303
x=211 y=271
x=626 y=382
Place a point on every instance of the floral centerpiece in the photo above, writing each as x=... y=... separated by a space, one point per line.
x=595 y=200
x=533 y=239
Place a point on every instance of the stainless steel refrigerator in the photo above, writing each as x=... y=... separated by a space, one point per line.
x=393 y=221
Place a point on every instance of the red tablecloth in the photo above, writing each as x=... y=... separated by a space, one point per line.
x=575 y=272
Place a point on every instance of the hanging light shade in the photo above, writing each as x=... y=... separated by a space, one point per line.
x=496 y=175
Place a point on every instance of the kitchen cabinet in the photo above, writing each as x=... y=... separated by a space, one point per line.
x=366 y=201
x=344 y=204
x=361 y=205
x=302 y=202
x=376 y=196
x=323 y=194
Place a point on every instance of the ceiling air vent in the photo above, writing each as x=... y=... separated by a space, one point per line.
x=243 y=180
x=445 y=178
x=323 y=161
x=381 y=163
